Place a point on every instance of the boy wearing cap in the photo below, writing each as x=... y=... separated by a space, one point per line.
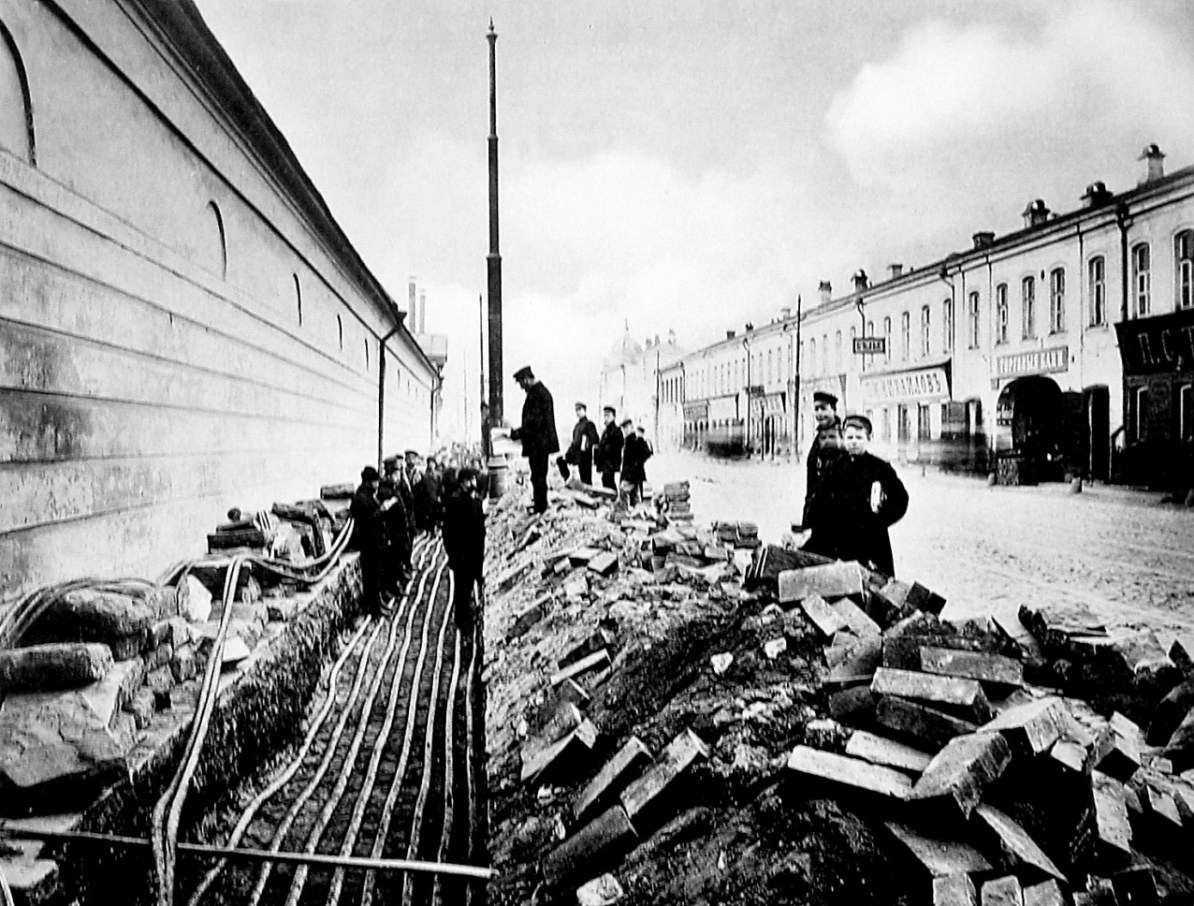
x=537 y=432
x=635 y=453
x=860 y=498
x=464 y=543
x=826 y=445
x=608 y=457
x=584 y=439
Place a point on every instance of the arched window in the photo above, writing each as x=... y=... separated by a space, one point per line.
x=219 y=261
x=298 y=299
x=1183 y=259
x=1001 y=313
x=1028 y=307
x=1057 y=300
x=1096 y=280
x=1141 y=278
x=887 y=336
x=340 y=331
x=16 y=108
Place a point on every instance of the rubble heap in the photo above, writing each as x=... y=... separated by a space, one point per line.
x=680 y=714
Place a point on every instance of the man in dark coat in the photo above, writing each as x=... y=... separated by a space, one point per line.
x=608 y=457
x=826 y=445
x=464 y=543
x=368 y=538
x=537 y=432
x=584 y=440
x=860 y=498
x=426 y=495
x=395 y=478
x=635 y=453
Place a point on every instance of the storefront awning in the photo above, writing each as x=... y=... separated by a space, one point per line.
x=1160 y=343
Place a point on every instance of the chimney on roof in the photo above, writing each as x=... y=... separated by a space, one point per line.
x=1154 y=166
x=860 y=280
x=895 y=270
x=825 y=288
x=1096 y=194
x=412 y=307
x=1035 y=213
x=422 y=312
x=671 y=338
x=983 y=239
x=785 y=313
x=730 y=334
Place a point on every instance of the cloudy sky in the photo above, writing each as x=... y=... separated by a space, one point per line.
x=695 y=165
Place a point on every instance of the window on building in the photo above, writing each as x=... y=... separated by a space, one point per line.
x=850 y=351
x=1183 y=257
x=825 y=353
x=1028 y=307
x=220 y=257
x=1140 y=413
x=1057 y=300
x=1001 y=314
x=974 y=316
x=947 y=325
x=770 y=367
x=16 y=114
x=1096 y=272
x=905 y=335
x=1185 y=413
x=837 y=351
x=887 y=337
x=925 y=326
x=1141 y=280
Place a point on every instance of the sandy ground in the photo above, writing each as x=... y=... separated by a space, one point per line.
x=1124 y=553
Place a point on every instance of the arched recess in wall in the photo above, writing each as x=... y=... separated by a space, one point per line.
x=16 y=107
x=220 y=264
x=298 y=298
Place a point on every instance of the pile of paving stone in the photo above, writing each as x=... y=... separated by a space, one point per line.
x=100 y=661
x=671 y=707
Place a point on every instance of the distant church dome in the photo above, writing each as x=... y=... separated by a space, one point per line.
x=626 y=351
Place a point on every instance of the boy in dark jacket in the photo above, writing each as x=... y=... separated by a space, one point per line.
x=635 y=453
x=464 y=542
x=608 y=457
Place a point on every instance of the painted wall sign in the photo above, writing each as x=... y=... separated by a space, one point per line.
x=922 y=384
x=1034 y=361
x=870 y=345
x=696 y=411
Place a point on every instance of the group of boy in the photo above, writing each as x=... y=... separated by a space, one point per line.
x=852 y=496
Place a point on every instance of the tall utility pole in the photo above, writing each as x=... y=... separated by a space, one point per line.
x=494 y=259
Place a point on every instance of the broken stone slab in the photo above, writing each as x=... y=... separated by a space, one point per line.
x=886 y=752
x=1054 y=625
x=174 y=631
x=1111 y=814
x=236 y=650
x=598 y=660
x=941 y=858
x=1047 y=893
x=773 y=648
x=958 y=775
x=644 y=798
x=564 y=758
x=529 y=617
x=587 y=852
x=601 y=891
x=576 y=587
x=604 y=564
x=1016 y=843
x=823 y=618
x=963 y=698
x=1031 y=728
x=993 y=670
x=1004 y=891
x=56 y=753
x=1169 y=712
x=159 y=656
x=1117 y=749
x=832 y=580
x=562 y=718
x=109 y=695
x=721 y=662
x=954 y=890
x=855 y=619
x=928 y=726
x=920 y=598
x=1135 y=885
x=855 y=659
x=53 y=666
x=1180 y=748
x=141 y=707
x=627 y=765
x=850 y=774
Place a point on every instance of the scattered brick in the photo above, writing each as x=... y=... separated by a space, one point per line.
x=832 y=580
x=601 y=639
x=1111 y=813
x=604 y=564
x=564 y=758
x=645 y=794
x=1047 y=893
x=598 y=660
x=826 y=621
x=625 y=767
x=583 y=855
x=886 y=752
x=941 y=858
x=1016 y=843
x=956 y=778
x=954 y=890
x=141 y=707
x=856 y=703
x=853 y=774
x=1031 y=728
x=855 y=619
x=927 y=725
x=990 y=669
x=1002 y=892
x=961 y=697
x=1169 y=712
x=1180 y=748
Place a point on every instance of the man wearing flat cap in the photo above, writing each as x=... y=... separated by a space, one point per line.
x=537 y=432
x=368 y=537
x=860 y=499
x=826 y=445
x=584 y=439
x=608 y=458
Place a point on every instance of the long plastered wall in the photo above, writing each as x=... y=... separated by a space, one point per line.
x=155 y=369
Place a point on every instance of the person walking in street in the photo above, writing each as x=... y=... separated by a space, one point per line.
x=584 y=441
x=368 y=538
x=464 y=543
x=608 y=457
x=537 y=432
x=861 y=497
x=635 y=453
x=826 y=445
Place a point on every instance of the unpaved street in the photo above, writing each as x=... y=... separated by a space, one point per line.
x=987 y=549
